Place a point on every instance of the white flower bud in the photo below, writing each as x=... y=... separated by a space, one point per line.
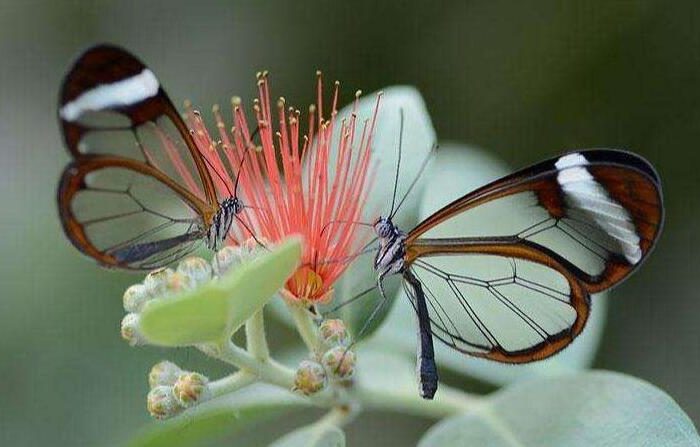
x=189 y=388
x=334 y=333
x=161 y=403
x=135 y=297
x=339 y=362
x=163 y=373
x=130 y=330
x=196 y=268
x=310 y=378
x=177 y=283
x=226 y=258
x=156 y=281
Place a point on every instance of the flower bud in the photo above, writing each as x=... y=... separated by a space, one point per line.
x=163 y=373
x=226 y=258
x=130 y=330
x=310 y=378
x=156 y=281
x=334 y=333
x=195 y=268
x=135 y=297
x=177 y=283
x=340 y=362
x=161 y=403
x=189 y=388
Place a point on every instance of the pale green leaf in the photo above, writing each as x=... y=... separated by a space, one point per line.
x=217 y=309
x=457 y=170
x=219 y=417
x=315 y=435
x=583 y=410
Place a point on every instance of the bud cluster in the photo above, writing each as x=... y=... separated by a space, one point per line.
x=173 y=390
x=337 y=362
x=165 y=282
x=160 y=284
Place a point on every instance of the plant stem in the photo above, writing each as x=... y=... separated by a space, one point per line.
x=256 y=341
x=229 y=384
x=448 y=401
x=339 y=416
x=267 y=370
x=306 y=327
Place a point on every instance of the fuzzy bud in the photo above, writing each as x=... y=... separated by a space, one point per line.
x=157 y=280
x=195 y=268
x=163 y=373
x=135 y=297
x=189 y=388
x=178 y=283
x=310 y=378
x=161 y=403
x=130 y=330
x=334 y=333
x=340 y=362
x=226 y=258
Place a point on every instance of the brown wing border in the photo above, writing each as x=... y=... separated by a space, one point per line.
x=513 y=248
x=104 y=64
x=627 y=177
x=72 y=182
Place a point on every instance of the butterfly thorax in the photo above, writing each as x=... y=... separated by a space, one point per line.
x=392 y=248
x=221 y=223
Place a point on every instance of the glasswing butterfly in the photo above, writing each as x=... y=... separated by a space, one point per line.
x=519 y=291
x=129 y=198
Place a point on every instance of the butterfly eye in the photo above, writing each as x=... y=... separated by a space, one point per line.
x=382 y=227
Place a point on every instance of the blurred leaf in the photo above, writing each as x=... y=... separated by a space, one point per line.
x=456 y=171
x=218 y=417
x=418 y=139
x=587 y=409
x=315 y=435
x=217 y=309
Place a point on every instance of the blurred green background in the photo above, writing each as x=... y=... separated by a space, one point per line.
x=524 y=81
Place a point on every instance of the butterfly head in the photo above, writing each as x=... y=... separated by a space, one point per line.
x=384 y=227
x=232 y=204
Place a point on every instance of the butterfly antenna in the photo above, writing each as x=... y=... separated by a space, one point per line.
x=423 y=165
x=238 y=175
x=398 y=162
x=240 y=166
x=218 y=174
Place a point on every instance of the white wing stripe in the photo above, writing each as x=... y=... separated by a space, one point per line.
x=582 y=192
x=123 y=93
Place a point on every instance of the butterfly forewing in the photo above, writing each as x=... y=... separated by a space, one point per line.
x=599 y=210
x=508 y=269
x=111 y=103
x=138 y=193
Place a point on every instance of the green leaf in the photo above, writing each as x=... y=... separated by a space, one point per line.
x=219 y=417
x=216 y=310
x=418 y=139
x=314 y=435
x=457 y=170
x=582 y=410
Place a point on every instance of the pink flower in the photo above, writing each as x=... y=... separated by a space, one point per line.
x=310 y=181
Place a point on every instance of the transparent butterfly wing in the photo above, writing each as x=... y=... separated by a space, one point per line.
x=138 y=193
x=540 y=241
